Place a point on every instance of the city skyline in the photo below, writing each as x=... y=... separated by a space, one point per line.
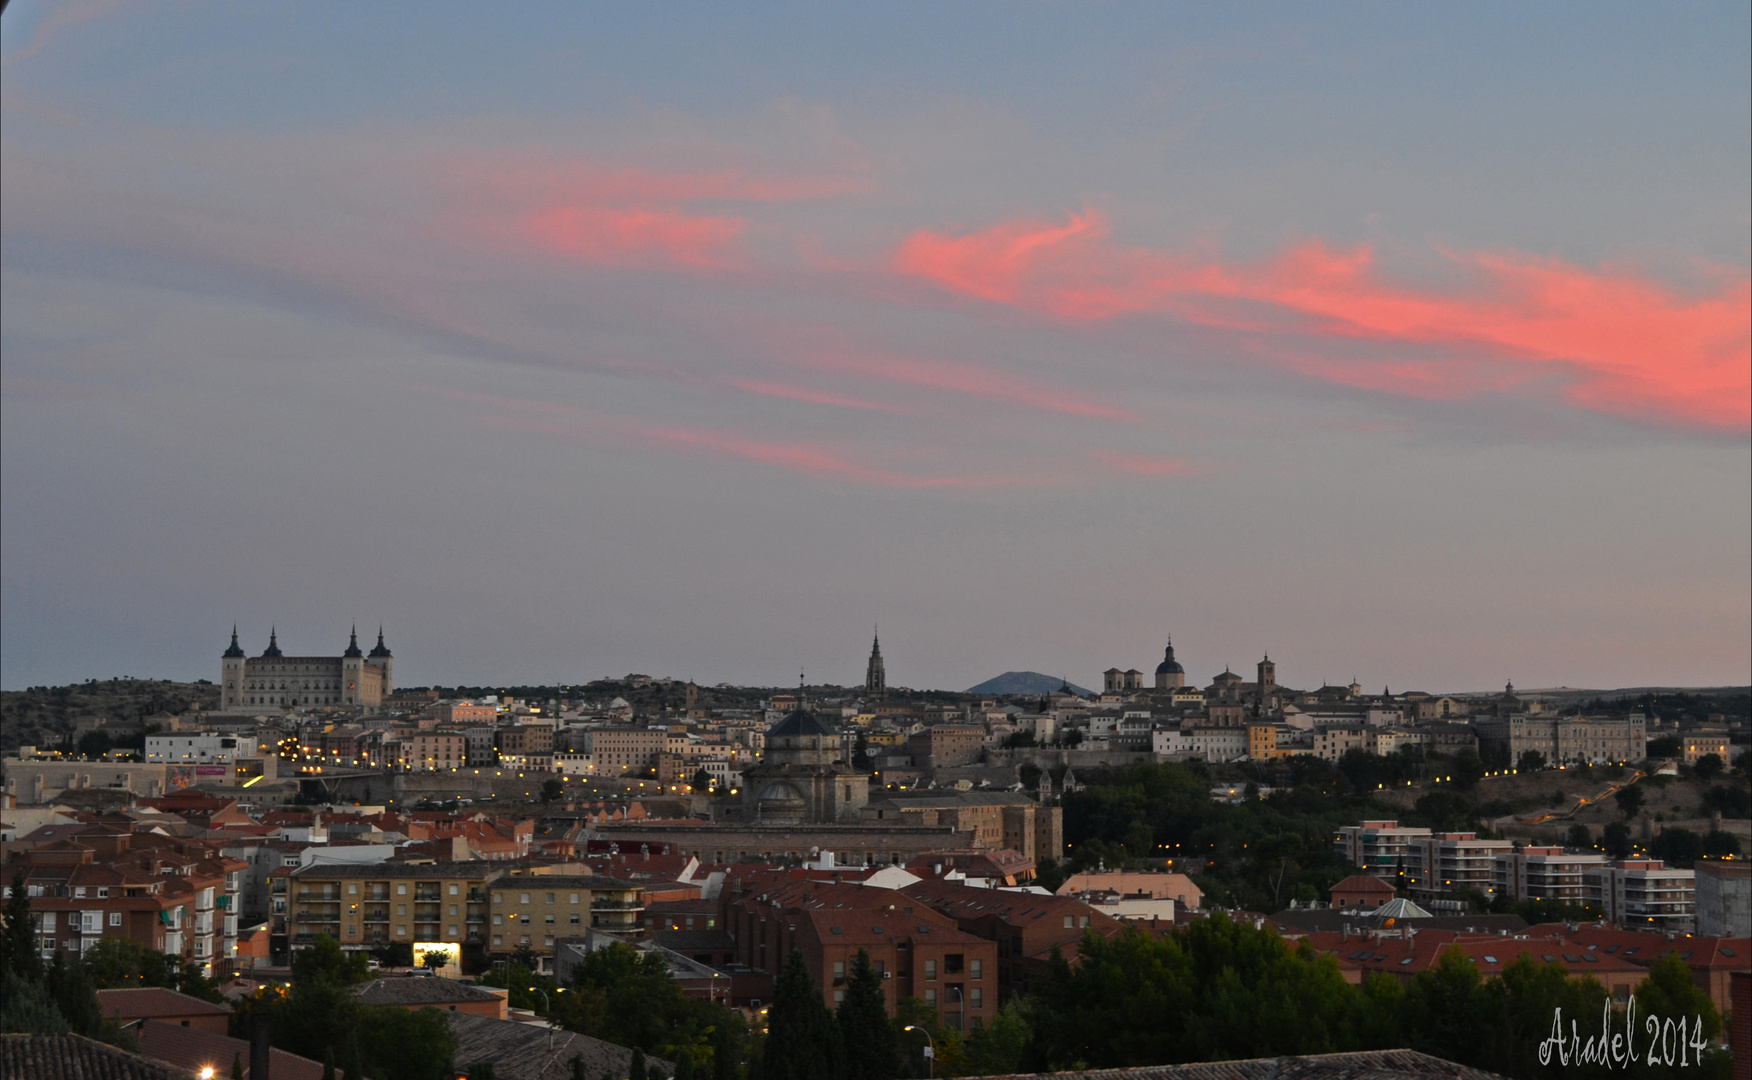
x=1406 y=346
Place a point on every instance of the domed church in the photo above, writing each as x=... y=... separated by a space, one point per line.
x=1169 y=674
x=803 y=778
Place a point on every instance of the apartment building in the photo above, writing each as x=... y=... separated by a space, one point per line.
x=464 y=714
x=1226 y=743
x=531 y=911
x=1333 y=742
x=1724 y=897
x=1546 y=873
x=1701 y=743
x=521 y=742
x=1382 y=848
x=181 y=902
x=1261 y=742
x=207 y=748
x=626 y=750
x=918 y=952
x=1645 y=894
x=369 y=905
x=427 y=751
x=1448 y=863
x=946 y=745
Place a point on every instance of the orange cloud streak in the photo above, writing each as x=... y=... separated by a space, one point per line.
x=1633 y=346
x=621 y=235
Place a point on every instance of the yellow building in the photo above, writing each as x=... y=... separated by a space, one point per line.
x=375 y=904
x=1261 y=742
x=532 y=910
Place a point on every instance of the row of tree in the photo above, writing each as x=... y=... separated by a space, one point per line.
x=1222 y=990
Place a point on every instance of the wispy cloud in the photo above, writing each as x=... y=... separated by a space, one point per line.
x=1629 y=345
x=1144 y=464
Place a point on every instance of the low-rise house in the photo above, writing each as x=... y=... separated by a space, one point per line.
x=127 y=1005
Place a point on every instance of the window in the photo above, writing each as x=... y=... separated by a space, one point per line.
x=353 y=889
x=497 y=940
x=498 y=920
x=498 y=898
x=930 y=969
x=839 y=969
x=931 y=996
x=574 y=918
x=401 y=909
x=401 y=888
x=976 y=997
x=524 y=899
x=975 y=968
x=550 y=898
x=549 y=918
x=839 y=997
x=450 y=930
x=103 y=894
x=453 y=888
x=574 y=900
x=1070 y=922
x=115 y=918
x=453 y=909
x=401 y=931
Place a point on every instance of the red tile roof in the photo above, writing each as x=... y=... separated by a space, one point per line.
x=136 y=1003
x=194 y=1050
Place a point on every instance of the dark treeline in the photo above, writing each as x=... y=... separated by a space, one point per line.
x=1221 y=990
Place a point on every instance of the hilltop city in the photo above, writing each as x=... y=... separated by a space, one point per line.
x=950 y=863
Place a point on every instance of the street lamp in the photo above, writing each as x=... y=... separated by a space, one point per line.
x=930 y=1049
x=548 y=1008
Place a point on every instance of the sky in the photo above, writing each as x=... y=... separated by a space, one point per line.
x=1407 y=344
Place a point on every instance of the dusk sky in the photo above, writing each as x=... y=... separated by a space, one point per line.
x=1407 y=343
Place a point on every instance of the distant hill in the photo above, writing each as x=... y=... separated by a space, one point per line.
x=1025 y=682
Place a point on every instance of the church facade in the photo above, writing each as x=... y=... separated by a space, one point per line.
x=354 y=679
x=803 y=778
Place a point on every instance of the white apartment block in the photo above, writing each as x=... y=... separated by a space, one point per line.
x=1547 y=873
x=207 y=748
x=1447 y=863
x=1381 y=848
x=1645 y=894
x=1217 y=743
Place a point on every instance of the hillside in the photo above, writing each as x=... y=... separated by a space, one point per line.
x=45 y=715
x=1025 y=683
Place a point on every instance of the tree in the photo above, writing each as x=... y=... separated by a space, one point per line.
x=1630 y=801
x=407 y=1045
x=1468 y=770
x=1667 y=746
x=803 y=1042
x=871 y=1050
x=18 y=947
x=95 y=744
x=998 y=1047
x=434 y=959
x=551 y=789
x=1708 y=767
x=328 y=1063
x=1615 y=838
x=636 y=1069
x=237 y=1066
x=702 y=781
x=1579 y=837
x=1530 y=761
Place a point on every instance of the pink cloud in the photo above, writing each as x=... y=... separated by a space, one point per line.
x=1629 y=345
x=617 y=236
x=618 y=215
x=812 y=459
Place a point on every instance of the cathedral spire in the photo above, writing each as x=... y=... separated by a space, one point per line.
x=875 y=677
x=353 y=643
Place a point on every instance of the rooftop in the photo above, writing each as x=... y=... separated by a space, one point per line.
x=74 y=1057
